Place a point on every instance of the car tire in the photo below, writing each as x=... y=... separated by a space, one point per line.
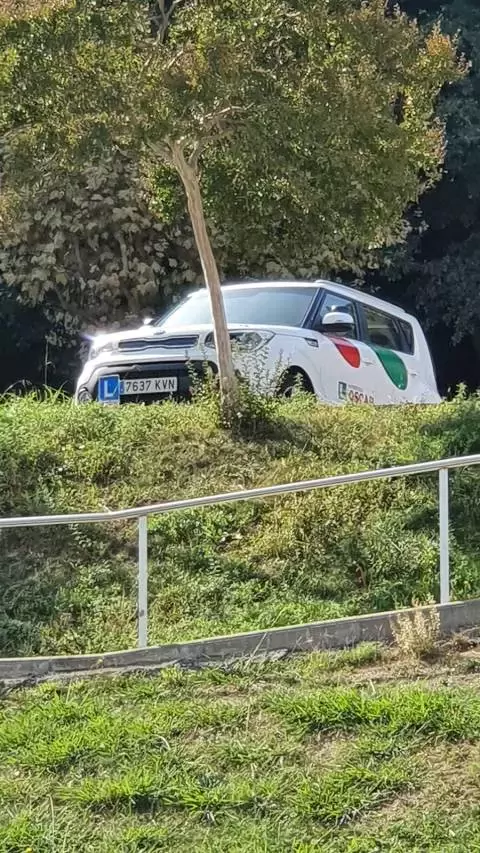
x=293 y=381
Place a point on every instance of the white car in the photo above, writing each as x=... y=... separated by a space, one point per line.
x=339 y=343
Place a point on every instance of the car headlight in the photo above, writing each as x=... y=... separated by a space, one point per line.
x=99 y=347
x=245 y=341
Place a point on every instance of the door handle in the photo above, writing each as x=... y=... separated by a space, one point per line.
x=412 y=373
x=368 y=360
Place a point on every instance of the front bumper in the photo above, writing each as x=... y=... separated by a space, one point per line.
x=186 y=372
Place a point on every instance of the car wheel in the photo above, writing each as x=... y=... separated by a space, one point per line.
x=293 y=382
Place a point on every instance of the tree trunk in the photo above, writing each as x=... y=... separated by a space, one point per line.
x=226 y=371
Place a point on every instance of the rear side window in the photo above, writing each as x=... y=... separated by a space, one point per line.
x=407 y=332
x=383 y=330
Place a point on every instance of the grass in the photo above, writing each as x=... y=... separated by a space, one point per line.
x=315 y=753
x=373 y=546
x=417 y=634
x=361 y=751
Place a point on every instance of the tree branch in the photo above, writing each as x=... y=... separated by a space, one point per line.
x=161 y=149
x=214 y=126
x=175 y=59
x=203 y=144
x=214 y=120
x=161 y=23
x=162 y=19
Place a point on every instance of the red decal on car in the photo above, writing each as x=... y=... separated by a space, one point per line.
x=347 y=350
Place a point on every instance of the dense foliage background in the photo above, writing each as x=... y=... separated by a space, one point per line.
x=134 y=227
x=437 y=271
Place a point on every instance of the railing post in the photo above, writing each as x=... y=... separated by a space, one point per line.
x=444 y=536
x=142 y=589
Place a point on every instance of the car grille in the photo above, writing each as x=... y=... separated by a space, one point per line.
x=177 y=342
x=185 y=372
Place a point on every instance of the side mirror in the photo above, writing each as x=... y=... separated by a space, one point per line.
x=147 y=321
x=334 y=319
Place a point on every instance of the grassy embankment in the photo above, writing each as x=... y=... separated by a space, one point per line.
x=252 y=565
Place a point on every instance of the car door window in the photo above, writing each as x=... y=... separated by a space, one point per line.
x=386 y=331
x=331 y=303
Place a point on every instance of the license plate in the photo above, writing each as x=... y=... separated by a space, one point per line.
x=154 y=385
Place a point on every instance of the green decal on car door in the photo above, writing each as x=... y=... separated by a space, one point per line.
x=391 y=362
x=393 y=366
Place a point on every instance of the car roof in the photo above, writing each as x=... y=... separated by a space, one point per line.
x=334 y=287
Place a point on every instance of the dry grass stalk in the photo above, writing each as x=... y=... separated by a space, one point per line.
x=417 y=634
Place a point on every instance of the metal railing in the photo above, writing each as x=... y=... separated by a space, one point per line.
x=443 y=466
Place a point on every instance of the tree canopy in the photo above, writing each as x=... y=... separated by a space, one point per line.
x=316 y=116
x=309 y=126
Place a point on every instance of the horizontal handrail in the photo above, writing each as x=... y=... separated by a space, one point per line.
x=246 y=494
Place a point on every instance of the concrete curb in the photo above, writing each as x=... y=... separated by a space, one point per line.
x=331 y=634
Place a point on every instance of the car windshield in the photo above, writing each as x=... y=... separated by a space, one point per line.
x=282 y=306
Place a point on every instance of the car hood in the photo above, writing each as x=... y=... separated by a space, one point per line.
x=147 y=332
